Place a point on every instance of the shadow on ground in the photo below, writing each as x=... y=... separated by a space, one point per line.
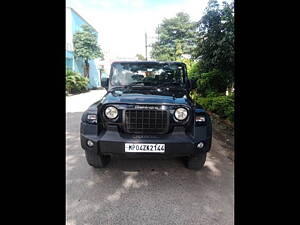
x=146 y=191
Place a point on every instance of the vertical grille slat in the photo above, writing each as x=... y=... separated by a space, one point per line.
x=144 y=121
x=155 y=119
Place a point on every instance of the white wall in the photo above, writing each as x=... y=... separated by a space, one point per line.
x=69 y=40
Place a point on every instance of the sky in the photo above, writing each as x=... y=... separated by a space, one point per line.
x=121 y=24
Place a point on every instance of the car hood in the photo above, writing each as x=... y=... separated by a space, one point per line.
x=145 y=98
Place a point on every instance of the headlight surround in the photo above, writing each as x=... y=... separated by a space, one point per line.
x=111 y=112
x=181 y=114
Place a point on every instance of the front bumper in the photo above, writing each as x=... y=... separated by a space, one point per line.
x=177 y=143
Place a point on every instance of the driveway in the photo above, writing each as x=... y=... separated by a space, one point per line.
x=144 y=191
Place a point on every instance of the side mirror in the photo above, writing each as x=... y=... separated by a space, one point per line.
x=104 y=82
x=193 y=84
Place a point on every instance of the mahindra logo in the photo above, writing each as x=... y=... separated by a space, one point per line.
x=147 y=107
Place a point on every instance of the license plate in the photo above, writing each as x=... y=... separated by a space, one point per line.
x=156 y=148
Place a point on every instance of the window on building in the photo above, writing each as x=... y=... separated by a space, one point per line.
x=69 y=64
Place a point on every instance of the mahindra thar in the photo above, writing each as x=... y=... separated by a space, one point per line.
x=147 y=111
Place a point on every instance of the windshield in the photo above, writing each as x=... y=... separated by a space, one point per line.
x=151 y=74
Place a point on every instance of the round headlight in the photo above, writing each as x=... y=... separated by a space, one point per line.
x=111 y=112
x=181 y=113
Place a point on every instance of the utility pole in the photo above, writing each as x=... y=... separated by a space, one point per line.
x=146 y=45
x=158 y=33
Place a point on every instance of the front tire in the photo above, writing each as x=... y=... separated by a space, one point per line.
x=196 y=162
x=95 y=160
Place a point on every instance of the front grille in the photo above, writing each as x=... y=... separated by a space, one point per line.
x=146 y=121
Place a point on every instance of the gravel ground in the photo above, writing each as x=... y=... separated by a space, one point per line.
x=144 y=191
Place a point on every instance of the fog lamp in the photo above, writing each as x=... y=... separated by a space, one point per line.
x=200 y=145
x=90 y=143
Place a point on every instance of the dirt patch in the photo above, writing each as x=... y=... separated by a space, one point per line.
x=223 y=130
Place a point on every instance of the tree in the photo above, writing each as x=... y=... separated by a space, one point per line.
x=86 y=46
x=177 y=36
x=215 y=49
x=140 y=57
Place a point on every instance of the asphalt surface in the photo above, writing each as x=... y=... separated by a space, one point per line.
x=144 y=191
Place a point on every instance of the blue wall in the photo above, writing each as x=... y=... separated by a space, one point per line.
x=76 y=23
x=94 y=74
x=69 y=60
x=69 y=54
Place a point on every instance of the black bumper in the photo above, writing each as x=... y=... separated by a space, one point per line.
x=177 y=143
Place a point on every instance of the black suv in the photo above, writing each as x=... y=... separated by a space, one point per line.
x=146 y=111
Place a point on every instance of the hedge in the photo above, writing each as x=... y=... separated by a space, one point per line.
x=75 y=83
x=221 y=105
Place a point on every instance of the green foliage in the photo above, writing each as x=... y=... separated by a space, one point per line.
x=86 y=44
x=214 y=71
x=193 y=70
x=75 y=83
x=213 y=94
x=216 y=37
x=177 y=36
x=214 y=81
x=215 y=47
x=221 y=105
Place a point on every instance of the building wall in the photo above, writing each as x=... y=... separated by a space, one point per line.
x=73 y=24
x=69 y=60
x=69 y=37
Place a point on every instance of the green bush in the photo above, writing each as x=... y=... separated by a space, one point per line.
x=213 y=94
x=221 y=105
x=212 y=82
x=193 y=70
x=75 y=83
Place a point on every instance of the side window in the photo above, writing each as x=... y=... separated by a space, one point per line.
x=178 y=74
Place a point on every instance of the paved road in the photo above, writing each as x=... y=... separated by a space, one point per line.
x=144 y=191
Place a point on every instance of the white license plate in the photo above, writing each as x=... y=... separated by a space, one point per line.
x=132 y=147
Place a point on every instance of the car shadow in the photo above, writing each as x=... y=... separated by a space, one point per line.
x=124 y=179
x=166 y=168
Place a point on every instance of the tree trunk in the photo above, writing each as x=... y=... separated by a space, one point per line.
x=86 y=68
